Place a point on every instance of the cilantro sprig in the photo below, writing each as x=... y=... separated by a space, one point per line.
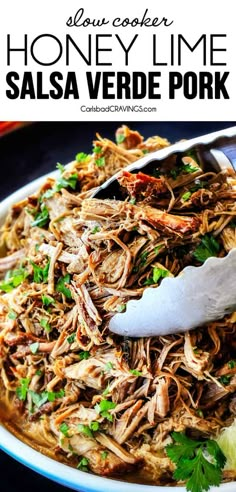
x=104 y=407
x=61 y=286
x=13 y=278
x=199 y=463
x=208 y=247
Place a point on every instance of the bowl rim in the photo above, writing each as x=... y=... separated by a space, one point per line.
x=52 y=469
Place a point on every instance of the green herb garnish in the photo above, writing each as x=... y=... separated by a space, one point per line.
x=22 y=390
x=103 y=408
x=132 y=201
x=104 y=455
x=225 y=380
x=71 y=338
x=84 y=355
x=83 y=464
x=100 y=162
x=121 y=308
x=208 y=247
x=199 y=463
x=232 y=364
x=120 y=138
x=82 y=157
x=41 y=218
x=108 y=366
x=61 y=286
x=135 y=372
x=12 y=314
x=95 y=229
x=186 y=196
x=40 y=274
x=64 y=428
x=97 y=150
x=34 y=347
x=13 y=278
x=47 y=300
x=45 y=324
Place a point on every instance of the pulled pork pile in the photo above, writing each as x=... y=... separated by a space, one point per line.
x=69 y=387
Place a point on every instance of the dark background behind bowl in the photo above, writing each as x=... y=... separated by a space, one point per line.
x=33 y=151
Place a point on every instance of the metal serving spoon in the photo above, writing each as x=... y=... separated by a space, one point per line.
x=199 y=294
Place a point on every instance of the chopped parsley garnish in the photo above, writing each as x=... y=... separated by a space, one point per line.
x=199 y=463
x=40 y=398
x=135 y=372
x=84 y=355
x=157 y=274
x=103 y=408
x=121 y=308
x=12 y=314
x=82 y=157
x=143 y=258
x=132 y=201
x=83 y=464
x=13 y=278
x=186 y=196
x=108 y=366
x=94 y=426
x=60 y=167
x=42 y=217
x=120 y=138
x=106 y=390
x=97 y=150
x=22 y=390
x=45 y=324
x=61 y=286
x=47 y=300
x=225 y=380
x=95 y=229
x=64 y=428
x=34 y=347
x=157 y=250
x=232 y=364
x=100 y=162
x=104 y=455
x=208 y=247
x=71 y=338
x=88 y=429
x=40 y=274
x=38 y=372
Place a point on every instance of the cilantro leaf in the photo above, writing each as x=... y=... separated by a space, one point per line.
x=84 y=355
x=41 y=218
x=135 y=372
x=13 y=278
x=22 y=390
x=34 y=347
x=61 y=286
x=186 y=196
x=82 y=465
x=103 y=408
x=12 y=314
x=120 y=137
x=64 y=428
x=71 y=338
x=199 y=463
x=47 y=300
x=45 y=324
x=208 y=247
x=100 y=162
x=82 y=157
x=40 y=274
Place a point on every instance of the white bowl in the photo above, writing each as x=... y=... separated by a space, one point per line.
x=63 y=474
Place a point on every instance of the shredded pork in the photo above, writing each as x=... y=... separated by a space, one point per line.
x=70 y=387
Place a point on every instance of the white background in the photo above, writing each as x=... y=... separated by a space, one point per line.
x=191 y=19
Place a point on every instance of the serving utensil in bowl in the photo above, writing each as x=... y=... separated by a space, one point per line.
x=199 y=294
